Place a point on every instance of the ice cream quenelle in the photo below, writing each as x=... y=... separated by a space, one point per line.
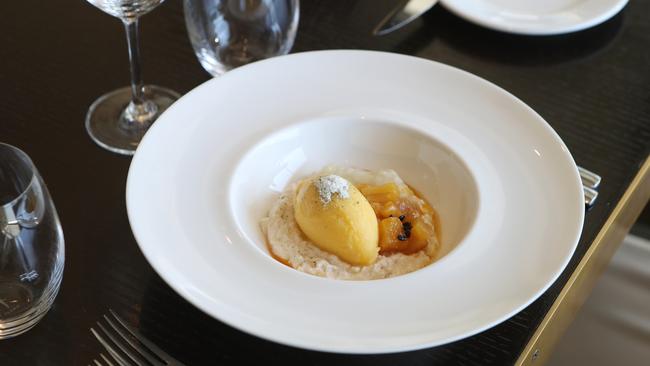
x=337 y=218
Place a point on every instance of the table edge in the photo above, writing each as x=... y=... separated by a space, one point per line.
x=574 y=293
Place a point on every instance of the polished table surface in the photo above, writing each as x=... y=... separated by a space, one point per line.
x=593 y=87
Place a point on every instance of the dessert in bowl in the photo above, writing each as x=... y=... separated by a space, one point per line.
x=348 y=223
x=371 y=223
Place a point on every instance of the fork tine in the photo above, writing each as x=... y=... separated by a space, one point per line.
x=121 y=346
x=141 y=350
x=119 y=359
x=152 y=347
x=97 y=363
x=106 y=359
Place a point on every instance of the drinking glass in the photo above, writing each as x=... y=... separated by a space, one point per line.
x=117 y=121
x=31 y=244
x=229 y=33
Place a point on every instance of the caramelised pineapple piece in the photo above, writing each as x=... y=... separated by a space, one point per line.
x=404 y=219
x=398 y=235
x=389 y=209
x=420 y=233
x=389 y=231
x=388 y=192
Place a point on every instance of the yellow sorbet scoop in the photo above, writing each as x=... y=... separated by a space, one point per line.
x=336 y=217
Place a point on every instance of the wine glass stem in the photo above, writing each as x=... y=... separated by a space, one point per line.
x=132 y=39
x=139 y=110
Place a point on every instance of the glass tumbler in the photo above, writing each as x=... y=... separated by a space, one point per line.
x=229 y=33
x=31 y=244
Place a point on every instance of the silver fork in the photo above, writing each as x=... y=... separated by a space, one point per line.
x=126 y=346
x=590 y=182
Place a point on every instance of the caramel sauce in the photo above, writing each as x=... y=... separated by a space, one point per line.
x=275 y=256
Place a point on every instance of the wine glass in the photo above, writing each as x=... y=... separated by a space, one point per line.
x=117 y=121
x=31 y=244
x=229 y=33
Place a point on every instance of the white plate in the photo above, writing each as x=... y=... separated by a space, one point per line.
x=505 y=185
x=535 y=17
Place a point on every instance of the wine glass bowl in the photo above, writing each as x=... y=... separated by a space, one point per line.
x=226 y=34
x=126 y=8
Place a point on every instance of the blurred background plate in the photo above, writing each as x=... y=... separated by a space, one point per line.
x=535 y=17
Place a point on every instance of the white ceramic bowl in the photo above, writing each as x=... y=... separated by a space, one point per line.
x=506 y=187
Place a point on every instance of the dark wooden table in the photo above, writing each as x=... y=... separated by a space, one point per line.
x=593 y=87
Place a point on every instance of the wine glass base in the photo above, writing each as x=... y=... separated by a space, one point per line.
x=107 y=126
